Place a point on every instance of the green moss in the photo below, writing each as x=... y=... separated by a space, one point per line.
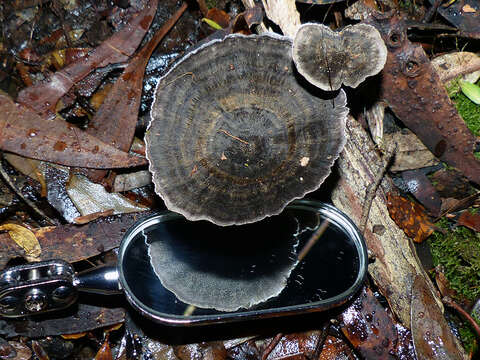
x=468 y=110
x=454 y=87
x=211 y=3
x=468 y=337
x=458 y=252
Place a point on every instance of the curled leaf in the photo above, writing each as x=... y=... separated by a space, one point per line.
x=212 y=24
x=24 y=238
x=471 y=91
x=410 y=217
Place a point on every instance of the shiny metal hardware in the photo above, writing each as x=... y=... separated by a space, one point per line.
x=101 y=280
x=37 y=288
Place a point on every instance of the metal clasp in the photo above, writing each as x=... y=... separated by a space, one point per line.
x=37 y=288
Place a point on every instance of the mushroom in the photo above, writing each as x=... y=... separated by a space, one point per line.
x=327 y=58
x=234 y=136
x=211 y=272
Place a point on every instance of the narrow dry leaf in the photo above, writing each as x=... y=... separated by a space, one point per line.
x=113 y=327
x=39 y=351
x=375 y=117
x=73 y=336
x=81 y=220
x=43 y=96
x=24 y=238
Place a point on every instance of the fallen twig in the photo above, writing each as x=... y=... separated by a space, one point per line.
x=372 y=188
x=313 y=240
x=271 y=346
x=449 y=302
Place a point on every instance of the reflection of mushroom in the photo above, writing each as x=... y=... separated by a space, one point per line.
x=229 y=268
x=234 y=137
x=327 y=59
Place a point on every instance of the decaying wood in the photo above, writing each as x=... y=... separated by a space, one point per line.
x=395 y=265
x=284 y=13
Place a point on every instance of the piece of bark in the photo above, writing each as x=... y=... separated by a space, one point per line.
x=462 y=63
x=73 y=242
x=283 y=13
x=395 y=264
x=77 y=319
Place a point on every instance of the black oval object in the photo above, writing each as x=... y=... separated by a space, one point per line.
x=329 y=275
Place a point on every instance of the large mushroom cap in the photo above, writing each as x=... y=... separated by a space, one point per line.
x=327 y=58
x=234 y=137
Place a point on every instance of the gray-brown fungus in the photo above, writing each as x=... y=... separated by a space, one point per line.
x=234 y=136
x=327 y=58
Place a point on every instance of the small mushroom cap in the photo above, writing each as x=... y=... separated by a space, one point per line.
x=327 y=58
x=202 y=269
x=234 y=137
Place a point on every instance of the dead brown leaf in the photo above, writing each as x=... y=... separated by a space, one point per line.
x=114 y=122
x=433 y=339
x=74 y=242
x=39 y=351
x=24 y=238
x=73 y=336
x=410 y=217
x=105 y=353
x=373 y=331
x=22 y=350
x=25 y=133
x=80 y=220
x=470 y=220
x=43 y=97
x=219 y=16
